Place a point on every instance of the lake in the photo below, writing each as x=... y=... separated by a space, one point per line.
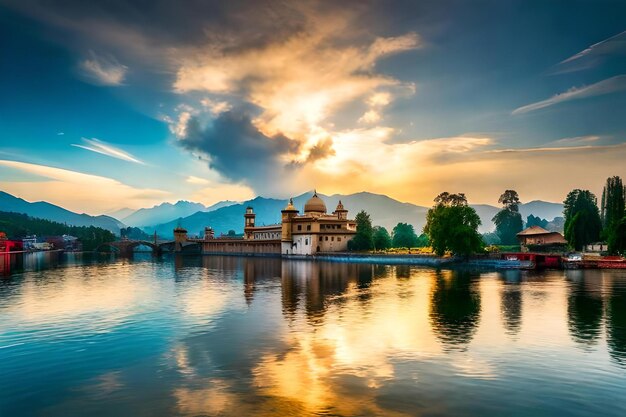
x=236 y=336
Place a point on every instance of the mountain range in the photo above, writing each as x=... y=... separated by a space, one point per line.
x=383 y=210
x=44 y=210
x=228 y=215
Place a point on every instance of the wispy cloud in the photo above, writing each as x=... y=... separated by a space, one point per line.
x=607 y=86
x=75 y=190
x=98 y=146
x=613 y=44
x=103 y=70
x=593 y=55
x=578 y=140
x=197 y=180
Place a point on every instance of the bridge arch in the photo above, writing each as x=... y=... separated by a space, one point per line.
x=125 y=247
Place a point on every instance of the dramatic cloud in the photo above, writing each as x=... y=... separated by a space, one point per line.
x=77 y=191
x=298 y=83
x=608 y=86
x=238 y=150
x=98 y=146
x=103 y=70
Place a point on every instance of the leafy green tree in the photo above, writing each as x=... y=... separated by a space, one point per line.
x=582 y=218
x=404 y=236
x=423 y=241
x=508 y=220
x=613 y=210
x=231 y=233
x=536 y=221
x=452 y=225
x=134 y=233
x=382 y=240
x=617 y=238
x=364 y=237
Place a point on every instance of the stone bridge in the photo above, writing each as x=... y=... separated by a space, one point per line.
x=126 y=247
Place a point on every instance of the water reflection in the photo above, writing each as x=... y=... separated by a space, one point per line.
x=317 y=284
x=585 y=308
x=511 y=301
x=616 y=321
x=455 y=308
x=196 y=336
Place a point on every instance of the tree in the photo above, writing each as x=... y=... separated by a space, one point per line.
x=617 y=239
x=510 y=200
x=134 y=233
x=612 y=210
x=582 y=218
x=508 y=220
x=364 y=237
x=382 y=240
x=423 y=241
x=536 y=221
x=452 y=225
x=404 y=236
x=231 y=233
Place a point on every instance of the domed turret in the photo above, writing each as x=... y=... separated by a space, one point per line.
x=315 y=205
x=341 y=212
x=290 y=207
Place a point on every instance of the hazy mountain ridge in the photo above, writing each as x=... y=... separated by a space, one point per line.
x=166 y=212
x=162 y=213
x=384 y=211
x=228 y=215
x=44 y=210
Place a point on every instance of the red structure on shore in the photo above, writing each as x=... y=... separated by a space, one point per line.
x=7 y=245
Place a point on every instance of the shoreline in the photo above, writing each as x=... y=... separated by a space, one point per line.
x=373 y=258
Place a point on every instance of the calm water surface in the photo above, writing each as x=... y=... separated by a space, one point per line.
x=249 y=336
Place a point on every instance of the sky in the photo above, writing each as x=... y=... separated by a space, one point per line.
x=105 y=105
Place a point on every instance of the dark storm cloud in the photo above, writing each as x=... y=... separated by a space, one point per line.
x=237 y=149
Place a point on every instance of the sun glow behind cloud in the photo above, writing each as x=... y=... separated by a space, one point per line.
x=298 y=82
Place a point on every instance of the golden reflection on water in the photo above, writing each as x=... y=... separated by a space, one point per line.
x=357 y=323
x=332 y=338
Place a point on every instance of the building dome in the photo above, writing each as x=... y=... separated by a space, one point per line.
x=315 y=205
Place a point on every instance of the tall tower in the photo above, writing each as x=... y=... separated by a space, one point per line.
x=342 y=213
x=180 y=238
x=288 y=213
x=249 y=224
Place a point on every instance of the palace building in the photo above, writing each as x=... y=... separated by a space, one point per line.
x=312 y=232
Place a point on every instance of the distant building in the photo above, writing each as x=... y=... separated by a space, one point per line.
x=65 y=242
x=43 y=246
x=29 y=242
x=597 y=247
x=309 y=233
x=538 y=236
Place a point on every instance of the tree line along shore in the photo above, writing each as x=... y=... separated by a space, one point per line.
x=452 y=225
